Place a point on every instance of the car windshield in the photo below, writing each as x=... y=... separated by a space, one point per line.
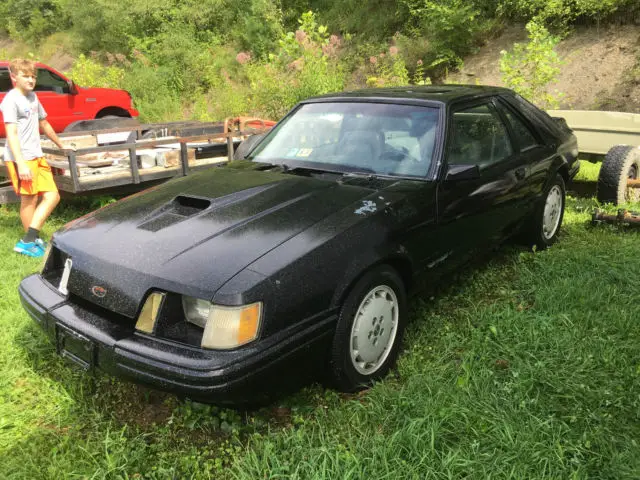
x=378 y=138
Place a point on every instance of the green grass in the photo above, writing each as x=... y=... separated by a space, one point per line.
x=588 y=171
x=525 y=366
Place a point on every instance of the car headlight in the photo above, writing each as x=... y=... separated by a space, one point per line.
x=224 y=327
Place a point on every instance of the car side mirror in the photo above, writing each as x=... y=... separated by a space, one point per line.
x=73 y=88
x=456 y=173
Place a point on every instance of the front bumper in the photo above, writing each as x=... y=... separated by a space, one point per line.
x=92 y=342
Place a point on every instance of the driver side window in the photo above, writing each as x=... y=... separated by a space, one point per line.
x=48 y=81
x=479 y=138
x=5 y=80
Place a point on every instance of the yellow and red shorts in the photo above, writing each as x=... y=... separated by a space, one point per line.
x=41 y=178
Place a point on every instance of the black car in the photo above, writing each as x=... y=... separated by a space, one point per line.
x=223 y=284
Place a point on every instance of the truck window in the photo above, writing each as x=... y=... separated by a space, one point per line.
x=48 y=81
x=5 y=80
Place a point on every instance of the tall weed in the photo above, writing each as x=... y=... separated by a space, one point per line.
x=304 y=65
x=530 y=67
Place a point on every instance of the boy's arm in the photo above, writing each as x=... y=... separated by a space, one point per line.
x=14 y=144
x=47 y=129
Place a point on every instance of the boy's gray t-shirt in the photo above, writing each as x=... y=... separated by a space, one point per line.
x=26 y=111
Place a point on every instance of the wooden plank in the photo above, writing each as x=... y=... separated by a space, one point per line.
x=171 y=157
x=78 y=142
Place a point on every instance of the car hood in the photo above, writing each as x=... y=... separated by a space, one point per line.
x=192 y=235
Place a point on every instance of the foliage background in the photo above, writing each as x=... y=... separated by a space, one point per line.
x=207 y=59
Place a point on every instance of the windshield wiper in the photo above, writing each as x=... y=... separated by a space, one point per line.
x=367 y=175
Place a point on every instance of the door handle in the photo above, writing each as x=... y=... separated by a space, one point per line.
x=521 y=173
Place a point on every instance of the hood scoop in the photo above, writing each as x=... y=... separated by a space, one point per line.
x=179 y=209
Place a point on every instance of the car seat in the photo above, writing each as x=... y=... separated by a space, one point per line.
x=362 y=147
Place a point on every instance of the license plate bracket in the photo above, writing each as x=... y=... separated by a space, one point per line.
x=75 y=347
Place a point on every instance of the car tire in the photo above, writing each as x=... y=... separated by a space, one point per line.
x=547 y=219
x=369 y=330
x=621 y=163
x=246 y=146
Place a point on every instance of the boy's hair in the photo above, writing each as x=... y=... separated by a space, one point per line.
x=18 y=65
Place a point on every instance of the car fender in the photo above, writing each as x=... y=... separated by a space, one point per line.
x=396 y=257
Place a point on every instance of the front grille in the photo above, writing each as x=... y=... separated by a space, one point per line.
x=101 y=312
x=171 y=323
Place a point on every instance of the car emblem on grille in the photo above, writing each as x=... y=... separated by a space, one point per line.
x=98 y=291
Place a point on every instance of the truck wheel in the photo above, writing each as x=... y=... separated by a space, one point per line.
x=369 y=330
x=621 y=164
x=246 y=146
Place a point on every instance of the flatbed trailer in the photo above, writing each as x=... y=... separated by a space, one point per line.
x=614 y=139
x=131 y=158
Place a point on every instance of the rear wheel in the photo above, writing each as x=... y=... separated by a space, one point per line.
x=621 y=164
x=369 y=331
x=542 y=230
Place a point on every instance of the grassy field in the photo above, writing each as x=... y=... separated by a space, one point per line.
x=525 y=366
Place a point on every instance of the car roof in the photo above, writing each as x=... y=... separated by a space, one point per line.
x=429 y=93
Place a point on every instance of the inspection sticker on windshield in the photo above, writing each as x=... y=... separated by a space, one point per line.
x=304 y=152
x=292 y=152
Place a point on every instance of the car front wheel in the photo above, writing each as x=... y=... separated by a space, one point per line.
x=547 y=218
x=369 y=330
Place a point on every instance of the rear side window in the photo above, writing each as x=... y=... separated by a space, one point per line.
x=524 y=136
x=5 y=80
x=479 y=137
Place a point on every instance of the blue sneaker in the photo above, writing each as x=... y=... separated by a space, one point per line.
x=31 y=249
x=42 y=244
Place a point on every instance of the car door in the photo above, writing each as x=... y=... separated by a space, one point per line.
x=55 y=96
x=484 y=207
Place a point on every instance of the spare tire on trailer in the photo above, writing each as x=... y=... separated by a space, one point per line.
x=621 y=164
x=245 y=148
x=110 y=121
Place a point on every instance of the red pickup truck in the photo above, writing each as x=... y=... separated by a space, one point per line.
x=65 y=102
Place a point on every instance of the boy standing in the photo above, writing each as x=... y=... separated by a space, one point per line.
x=28 y=170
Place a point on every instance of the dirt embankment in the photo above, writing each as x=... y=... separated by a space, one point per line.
x=600 y=70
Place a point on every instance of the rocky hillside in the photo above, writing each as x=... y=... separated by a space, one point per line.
x=600 y=70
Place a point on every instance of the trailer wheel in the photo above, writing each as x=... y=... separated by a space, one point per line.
x=621 y=164
x=247 y=146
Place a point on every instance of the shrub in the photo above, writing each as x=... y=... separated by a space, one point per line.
x=31 y=20
x=304 y=65
x=531 y=67
x=440 y=33
x=389 y=69
x=90 y=73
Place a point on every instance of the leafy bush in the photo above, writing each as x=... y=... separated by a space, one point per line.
x=441 y=32
x=153 y=95
x=90 y=73
x=31 y=20
x=531 y=67
x=389 y=70
x=562 y=13
x=305 y=64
